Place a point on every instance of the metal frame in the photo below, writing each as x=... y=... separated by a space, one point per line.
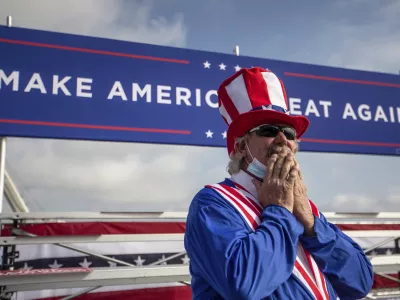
x=98 y=277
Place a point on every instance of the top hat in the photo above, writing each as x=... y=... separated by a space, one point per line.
x=253 y=97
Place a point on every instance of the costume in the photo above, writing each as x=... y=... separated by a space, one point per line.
x=240 y=250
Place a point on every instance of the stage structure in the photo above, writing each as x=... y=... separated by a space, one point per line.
x=64 y=86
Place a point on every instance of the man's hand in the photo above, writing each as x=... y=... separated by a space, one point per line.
x=278 y=184
x=302 y=209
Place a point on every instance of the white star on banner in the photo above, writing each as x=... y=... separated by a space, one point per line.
x=185 y=260
x=237 y=68
x=206 y=65
x=26 y=267
x=163 y=257
x=389 y=252
x=112 y=264
x=222 y=66
x=85 y=263
x=55 y=265
x=139 y=261
x=209 y=133
x=224 y=135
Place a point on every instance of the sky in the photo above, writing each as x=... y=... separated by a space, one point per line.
x=55 y=175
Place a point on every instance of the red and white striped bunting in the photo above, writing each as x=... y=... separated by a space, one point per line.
x=305 y=267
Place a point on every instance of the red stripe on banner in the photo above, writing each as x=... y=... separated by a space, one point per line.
x=375 y=144
x=93 y=51
x=165 y=293
x=257 y=95
x=310 y=76
x=95 y=228
x=88 y=126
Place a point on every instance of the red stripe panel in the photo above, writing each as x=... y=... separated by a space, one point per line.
x=369 y=226
x=93 y=51
x=165 y=293
x=95 y=228
x=256 y=88
x=382 y=282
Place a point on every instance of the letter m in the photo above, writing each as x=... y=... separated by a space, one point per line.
x=14 y=78
x=146 y=91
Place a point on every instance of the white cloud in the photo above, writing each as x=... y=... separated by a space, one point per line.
x=373 y=45
x=354 y=203
x=100 y=18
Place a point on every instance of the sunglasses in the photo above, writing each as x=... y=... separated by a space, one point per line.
x=273 y=130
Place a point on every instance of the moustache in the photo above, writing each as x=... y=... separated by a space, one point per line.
x=277 y=149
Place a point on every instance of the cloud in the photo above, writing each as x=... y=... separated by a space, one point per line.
x=372 y=45
x=353 y=203
x=100 y=18
x=83 y=175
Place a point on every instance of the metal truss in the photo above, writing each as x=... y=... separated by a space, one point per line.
x=97 y=277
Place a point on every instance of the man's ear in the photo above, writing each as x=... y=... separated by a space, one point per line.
x=242 y=146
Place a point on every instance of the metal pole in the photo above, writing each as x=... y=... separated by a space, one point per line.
x=2 y=169
x=236 y=50
x=9 y=21
x=3 y=151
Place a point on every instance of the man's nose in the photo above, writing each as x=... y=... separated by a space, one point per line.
x=280 y=138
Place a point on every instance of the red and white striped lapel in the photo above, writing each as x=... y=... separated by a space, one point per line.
x=251 y=211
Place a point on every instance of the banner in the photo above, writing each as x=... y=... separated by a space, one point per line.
x=64 y=86
x=33 y=257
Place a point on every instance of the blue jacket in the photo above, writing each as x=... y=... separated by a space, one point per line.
x=230 y=261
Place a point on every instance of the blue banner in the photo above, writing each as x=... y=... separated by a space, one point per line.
x=64 y=86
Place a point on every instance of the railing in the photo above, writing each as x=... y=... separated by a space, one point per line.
x=129 y=274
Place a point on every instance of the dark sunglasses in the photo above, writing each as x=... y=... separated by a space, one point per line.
x=273 y=130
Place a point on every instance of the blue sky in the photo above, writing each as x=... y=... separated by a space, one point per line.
x=352 y=34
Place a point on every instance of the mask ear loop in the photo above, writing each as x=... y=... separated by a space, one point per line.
x=247 y=147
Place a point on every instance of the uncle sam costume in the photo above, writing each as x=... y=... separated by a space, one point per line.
x=237 y=249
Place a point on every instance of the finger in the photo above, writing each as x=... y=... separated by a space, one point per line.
x=298 y=166
x=293 y=174
x=271 y=164
x=287 y=165
x=278 y=165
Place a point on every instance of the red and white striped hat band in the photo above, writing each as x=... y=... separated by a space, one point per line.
x=249 y=90
x=252 y=97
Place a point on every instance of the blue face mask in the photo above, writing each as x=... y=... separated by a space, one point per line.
x=256 y=168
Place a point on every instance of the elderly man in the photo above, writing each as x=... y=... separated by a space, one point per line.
x=256 y=235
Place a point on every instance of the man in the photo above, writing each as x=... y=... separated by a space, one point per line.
x=256 y=235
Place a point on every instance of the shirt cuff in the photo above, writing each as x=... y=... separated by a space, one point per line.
x=323 y=234
x=283 y=216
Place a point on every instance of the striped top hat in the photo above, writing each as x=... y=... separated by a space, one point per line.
x=253 y=97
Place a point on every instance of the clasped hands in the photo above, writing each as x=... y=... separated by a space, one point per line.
x=283 y=185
